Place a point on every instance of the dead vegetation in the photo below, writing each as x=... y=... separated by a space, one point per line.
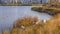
x=52 y=26
x=26 y=21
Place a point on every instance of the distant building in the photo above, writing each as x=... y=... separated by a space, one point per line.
x=40 y=1
x=36 y=1
x=27 y=1
x=53 y=1
x=44 y=1
x=5 y=1
x=9 y=1
x=0 y=2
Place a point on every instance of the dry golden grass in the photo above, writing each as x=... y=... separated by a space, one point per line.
x=5 y=32
x=52 y=26
x=26 y=21
x=34 y=29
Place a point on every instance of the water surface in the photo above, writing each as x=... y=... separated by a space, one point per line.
x=8 y=14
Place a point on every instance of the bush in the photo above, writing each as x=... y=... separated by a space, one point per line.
x=26 y=21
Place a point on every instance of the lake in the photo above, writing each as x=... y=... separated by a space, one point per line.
x=9 y=14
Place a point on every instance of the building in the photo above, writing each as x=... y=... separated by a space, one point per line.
x=44 y=1
x=53 y=1
x=36 y=1
x=5 y=1
x=39 y=1
x=27 y=1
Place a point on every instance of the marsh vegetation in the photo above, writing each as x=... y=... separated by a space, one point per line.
x=52 y=26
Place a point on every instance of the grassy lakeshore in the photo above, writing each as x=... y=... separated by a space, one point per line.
x=49 y=9
x=32 y=4
x=52 y=26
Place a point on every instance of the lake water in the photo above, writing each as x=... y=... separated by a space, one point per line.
x=8 y=14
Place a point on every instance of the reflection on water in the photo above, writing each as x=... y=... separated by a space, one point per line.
x=8 y=14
